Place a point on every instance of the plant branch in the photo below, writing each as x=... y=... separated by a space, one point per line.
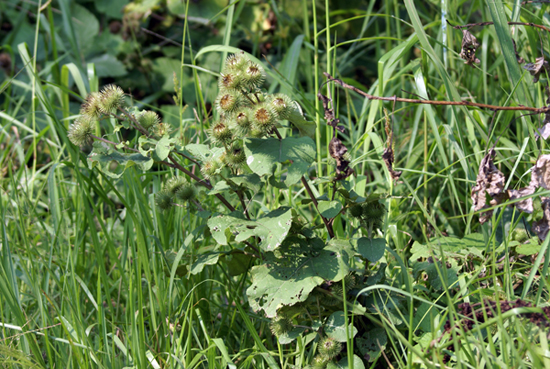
x=542 y=110
x=201 y=182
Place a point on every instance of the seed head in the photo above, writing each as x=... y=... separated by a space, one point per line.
x=91 y=105
x=236 y=62
x=280 y=325
x=112 y=98
x=81 y=131
x=329 y=348
x=148 y=119
x=263 y=118
x=236 y=157
x=253 y=76
x=211 y=168
x=221 y=133
x=230 y=81
x=187 y=192
x=228 y=102
x=163 y=199
x=281 y=104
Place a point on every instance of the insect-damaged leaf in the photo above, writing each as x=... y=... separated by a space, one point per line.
x=537 y=68
x=490 y=181
x=271 y=228
x=469 y=46
x=291 y=272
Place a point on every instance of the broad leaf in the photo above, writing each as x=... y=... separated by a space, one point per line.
x=330 y=209
x=335 y=327
x=102 y=156
x=263 y=154
x=203 y=260
x=344 y=364
x=289 y=274
x=372 y=343
x=371 y=249
x=271 y=228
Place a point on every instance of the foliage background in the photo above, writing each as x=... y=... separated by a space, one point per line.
x=94 y=275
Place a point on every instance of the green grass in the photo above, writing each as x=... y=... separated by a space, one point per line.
x=94 y=275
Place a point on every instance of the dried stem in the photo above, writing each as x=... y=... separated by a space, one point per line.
x=483 y=24
x=542 y=110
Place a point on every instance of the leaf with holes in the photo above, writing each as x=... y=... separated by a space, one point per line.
x=272 y=228
x=289 y=274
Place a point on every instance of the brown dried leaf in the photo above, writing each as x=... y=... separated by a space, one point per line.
x=541 y=172
x=537 y=68
x=490 y=181
x=338 y=150
x=542 y=226
x=469 y=46
x=388 y=155
x=524 y=205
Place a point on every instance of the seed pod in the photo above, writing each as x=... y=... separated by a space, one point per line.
x=112 y=98
x=329 y=348
x=210 y=168
x=254 y=76
x=235 y=157
x=81 y=131
x=148 y=119
x=236 y=62
x=228 y=101
x=280 y=325
x=187 y=192
x=91 y=105
x=281 y=104
x=221 y=133
x=230 y=81
x=263 y=118
x=163 y=199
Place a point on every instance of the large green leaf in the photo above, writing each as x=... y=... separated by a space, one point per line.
x=272 y=228
x=103 y=157
x=344 y=364
x=263 y=154
x=371 y=249
x=335 y=327
x=288 y=275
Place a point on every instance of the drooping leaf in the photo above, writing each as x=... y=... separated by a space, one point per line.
x=536 y=68
x=469 y=46
x=272 y=228
x=335 y=327
x=288 y=275
x=163 y=148
x=263 y=154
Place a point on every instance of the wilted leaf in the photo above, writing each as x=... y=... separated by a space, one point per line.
x=490 y=181
x=542 y=226
x=544 y=131
x=469 y=46
x=537 y=68
x=289 y=274
x=541 y=172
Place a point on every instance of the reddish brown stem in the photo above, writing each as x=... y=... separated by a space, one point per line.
x=483 y=24
x=436 y=102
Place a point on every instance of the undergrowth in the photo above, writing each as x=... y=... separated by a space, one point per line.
x=286 y=185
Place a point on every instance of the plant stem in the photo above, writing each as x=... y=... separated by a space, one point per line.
x=328 y=225
x=542 y=110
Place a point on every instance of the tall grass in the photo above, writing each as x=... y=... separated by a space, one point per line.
x=92 y=274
